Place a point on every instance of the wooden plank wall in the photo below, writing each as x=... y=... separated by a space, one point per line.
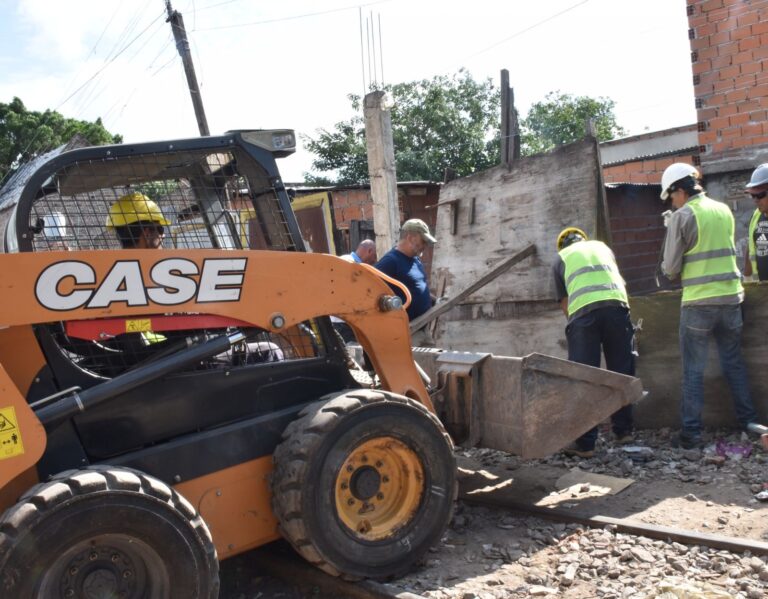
x=492 y=214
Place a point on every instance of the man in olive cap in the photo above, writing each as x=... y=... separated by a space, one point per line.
x=402 y=263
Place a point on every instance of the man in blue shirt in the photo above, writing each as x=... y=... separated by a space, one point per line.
x=365 y=253
x=402 y=263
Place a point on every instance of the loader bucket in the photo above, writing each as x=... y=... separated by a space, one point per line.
x=531 y=406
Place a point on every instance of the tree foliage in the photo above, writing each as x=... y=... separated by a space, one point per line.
x=445 y=122
x=25 y=133
x=453 y=122
x=561 y=118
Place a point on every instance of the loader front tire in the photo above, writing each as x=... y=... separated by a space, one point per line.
x=105 y=532
x=364 y=483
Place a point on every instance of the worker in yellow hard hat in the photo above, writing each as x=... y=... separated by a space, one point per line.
x=137 y=221
x=593 y=296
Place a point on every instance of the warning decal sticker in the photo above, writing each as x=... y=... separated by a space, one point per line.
x=10 y=435
x=138 y=326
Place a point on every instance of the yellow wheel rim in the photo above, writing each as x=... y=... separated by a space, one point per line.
x=379 y=488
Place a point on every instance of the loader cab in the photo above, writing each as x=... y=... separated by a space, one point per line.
x=219 y=193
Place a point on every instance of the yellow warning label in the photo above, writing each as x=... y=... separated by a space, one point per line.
x=138 y=326
x=10 y=435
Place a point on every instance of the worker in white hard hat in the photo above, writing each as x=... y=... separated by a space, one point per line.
x=593 y=297
x=699 y=249
x=756 y=259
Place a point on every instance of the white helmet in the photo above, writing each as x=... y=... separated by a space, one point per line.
x=674 y=173
x=759 y=176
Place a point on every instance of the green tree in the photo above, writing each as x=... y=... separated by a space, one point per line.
x=25 y=133
x=561 y=118
x=445 y=122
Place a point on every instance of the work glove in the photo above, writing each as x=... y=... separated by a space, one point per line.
x=666 y=215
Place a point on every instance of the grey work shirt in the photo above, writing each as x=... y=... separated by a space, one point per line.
x=561 y=292
x=682 y=235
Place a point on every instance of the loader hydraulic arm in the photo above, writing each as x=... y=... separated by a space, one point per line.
x=274 y=291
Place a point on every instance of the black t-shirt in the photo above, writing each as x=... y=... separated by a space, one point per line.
x=761 y=247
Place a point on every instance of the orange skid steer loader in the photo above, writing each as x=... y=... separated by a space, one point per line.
x=172 y=391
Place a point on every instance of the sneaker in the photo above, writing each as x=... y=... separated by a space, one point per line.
x=576 y=451
x=624 y=438
x=683 y=441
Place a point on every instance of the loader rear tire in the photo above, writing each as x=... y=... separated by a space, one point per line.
x=105 y=532
x=364 y=483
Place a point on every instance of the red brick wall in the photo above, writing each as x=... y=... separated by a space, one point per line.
x=637 y=229
x=641 y=171
x=729 y=48
x=351 y=204
x=356 y=204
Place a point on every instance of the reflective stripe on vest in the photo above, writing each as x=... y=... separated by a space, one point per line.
x=751 y=239
x=591 y=275
x=709 y=267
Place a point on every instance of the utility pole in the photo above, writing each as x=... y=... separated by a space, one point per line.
x=182 y=45
x=510 y=130
x=381 y=170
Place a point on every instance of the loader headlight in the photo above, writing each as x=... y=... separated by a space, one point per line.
x=283 y=141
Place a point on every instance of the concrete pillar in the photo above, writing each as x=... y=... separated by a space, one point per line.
x=381 y=170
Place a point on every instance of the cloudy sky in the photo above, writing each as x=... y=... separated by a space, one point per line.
x=291 y=64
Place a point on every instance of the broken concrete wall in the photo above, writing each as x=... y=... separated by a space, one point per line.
x=489 y=216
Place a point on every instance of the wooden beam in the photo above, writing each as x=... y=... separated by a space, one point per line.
x=506 y=131
x=443 y=307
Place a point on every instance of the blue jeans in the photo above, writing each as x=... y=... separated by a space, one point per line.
x=697 y=325
x=609 y=330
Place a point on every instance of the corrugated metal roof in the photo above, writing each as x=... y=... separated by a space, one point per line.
x=301 y=188
x=649 y=145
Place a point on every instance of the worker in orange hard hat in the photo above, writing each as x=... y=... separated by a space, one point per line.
x=137 y=221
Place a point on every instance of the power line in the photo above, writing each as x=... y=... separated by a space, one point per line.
x=527 y=29
x=111 y=60
x=277 y=20
x=81 y=87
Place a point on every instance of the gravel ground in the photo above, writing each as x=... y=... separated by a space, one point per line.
x=491 y=553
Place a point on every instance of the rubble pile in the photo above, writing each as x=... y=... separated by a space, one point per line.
x=489 y=553
x=552 y=559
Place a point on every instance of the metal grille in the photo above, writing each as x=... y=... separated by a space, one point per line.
x=207 y=202
x=192 y=199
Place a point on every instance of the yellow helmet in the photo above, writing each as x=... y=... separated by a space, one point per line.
x=566 y=233
x=133 y=208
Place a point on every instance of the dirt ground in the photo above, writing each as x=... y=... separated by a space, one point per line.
x=492 y=553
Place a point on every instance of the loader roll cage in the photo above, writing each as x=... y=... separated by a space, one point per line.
x=223 y=193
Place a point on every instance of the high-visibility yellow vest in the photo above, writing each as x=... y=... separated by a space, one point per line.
x=709 y=267
x=751 y=239
x=591 y=275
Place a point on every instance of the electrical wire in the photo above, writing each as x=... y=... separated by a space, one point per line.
x=81 y=87
x=527 y=29
x=302 y=16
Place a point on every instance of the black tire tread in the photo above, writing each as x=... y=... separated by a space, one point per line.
x=44 y=497
x=300 y=440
